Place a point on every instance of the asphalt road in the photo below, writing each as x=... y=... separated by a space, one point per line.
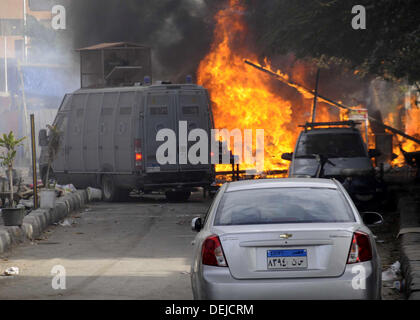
x=135 y=250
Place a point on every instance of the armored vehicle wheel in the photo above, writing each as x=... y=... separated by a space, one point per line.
x=177 y=196
x=110 y=192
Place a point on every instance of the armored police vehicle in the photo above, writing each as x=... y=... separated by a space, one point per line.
x=108 y=135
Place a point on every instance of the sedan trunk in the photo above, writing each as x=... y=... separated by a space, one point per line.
x=307 y=250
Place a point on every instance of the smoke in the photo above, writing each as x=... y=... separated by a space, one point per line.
x=50 y=69
x=338 y=78
x=178 y=31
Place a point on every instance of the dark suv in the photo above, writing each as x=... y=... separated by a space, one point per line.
x=335 y=150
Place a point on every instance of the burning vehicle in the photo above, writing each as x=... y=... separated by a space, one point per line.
x=336 y=150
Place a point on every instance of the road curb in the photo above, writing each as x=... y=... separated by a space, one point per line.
x=38 y=220
x=409 y=209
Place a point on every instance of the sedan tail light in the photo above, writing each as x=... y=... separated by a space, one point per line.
x=360 y=249
x=212 y=252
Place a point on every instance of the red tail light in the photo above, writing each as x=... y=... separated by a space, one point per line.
x=360 y=249
x=137 y=154
x=212 y=252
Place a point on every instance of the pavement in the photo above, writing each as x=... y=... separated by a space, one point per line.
x=409 y=208
x=38 y=220
x=135 y=250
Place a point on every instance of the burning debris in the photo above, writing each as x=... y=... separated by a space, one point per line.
x=411 y=118
x=250 y=100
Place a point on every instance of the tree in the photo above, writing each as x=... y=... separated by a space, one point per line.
x=322 y=29
x=10 y=143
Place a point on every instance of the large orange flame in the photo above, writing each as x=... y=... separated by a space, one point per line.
x=411 y=119
x=241 y=96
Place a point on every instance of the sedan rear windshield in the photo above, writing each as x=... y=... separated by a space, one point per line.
x=337 y=145
x=283 y=205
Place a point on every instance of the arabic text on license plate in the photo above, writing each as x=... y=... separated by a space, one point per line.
x=287 y=259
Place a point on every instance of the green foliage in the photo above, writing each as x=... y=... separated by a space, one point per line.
x=388 y=47
x=10 y=143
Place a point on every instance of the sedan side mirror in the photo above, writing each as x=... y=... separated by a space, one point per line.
x=373 y=153
x=196 y=224
x=287 y=156
x=372 y=218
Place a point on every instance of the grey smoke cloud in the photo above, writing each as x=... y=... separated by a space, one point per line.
x=179 y=31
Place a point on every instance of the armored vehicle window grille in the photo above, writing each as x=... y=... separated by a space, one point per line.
x=107 y=111
x=125 y=111
x=156 y=111
x=190 y=110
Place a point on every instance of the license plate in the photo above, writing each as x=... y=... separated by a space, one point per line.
x=287 y=259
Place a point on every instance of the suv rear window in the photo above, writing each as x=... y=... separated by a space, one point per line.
x=333 y=145
x=283 y=205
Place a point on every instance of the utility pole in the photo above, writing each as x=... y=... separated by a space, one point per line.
x=6 y=85
x=329 y=101
x=34 y=176
x=315 y=96
x=4 y=35
x=25 y=38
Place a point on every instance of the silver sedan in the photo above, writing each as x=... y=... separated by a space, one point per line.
x=285 y=239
